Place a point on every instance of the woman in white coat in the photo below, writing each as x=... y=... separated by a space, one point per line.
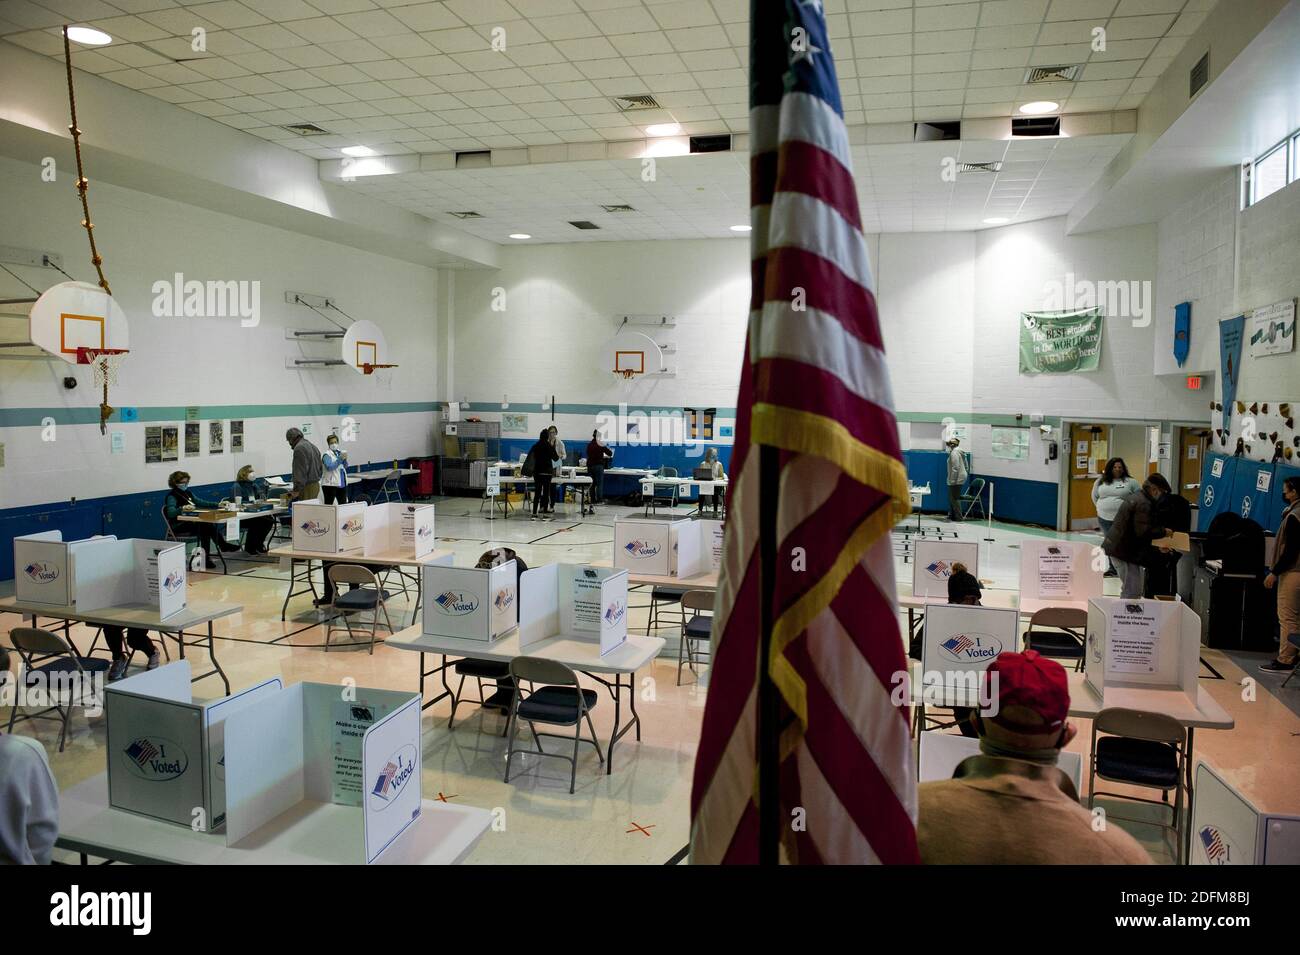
x=1108 y=493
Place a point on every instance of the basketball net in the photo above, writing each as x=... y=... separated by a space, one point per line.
x=105 y=364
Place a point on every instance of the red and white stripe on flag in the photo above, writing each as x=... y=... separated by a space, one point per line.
x=814 y=385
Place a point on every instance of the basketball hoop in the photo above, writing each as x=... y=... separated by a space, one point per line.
x=369 y=369
x=627 y=373
x=105 y=363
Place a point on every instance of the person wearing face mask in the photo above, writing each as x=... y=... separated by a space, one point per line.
x=249 y=488
x=181 y=499
x=334 y=484
x=1284 y=576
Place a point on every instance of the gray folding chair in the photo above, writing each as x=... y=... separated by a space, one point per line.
x=365 y=595
x=698 y=627
x=1058 y=632
x=560 y=701
x=392 y=487
x=1146 y=750
x=972 y=498
x=47 y=658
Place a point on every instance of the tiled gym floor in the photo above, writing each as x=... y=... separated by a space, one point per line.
x=640 y=813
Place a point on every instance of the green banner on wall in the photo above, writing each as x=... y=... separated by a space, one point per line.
x=1060 y=342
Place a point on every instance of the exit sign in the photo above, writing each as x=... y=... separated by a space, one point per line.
x=1194 y=382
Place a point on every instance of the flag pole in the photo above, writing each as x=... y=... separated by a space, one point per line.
x=768 y=730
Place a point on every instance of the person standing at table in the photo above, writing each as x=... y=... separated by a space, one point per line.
x=557 y=490
x=543 y=457
x=334 y=484
x=957 y=475
x=307 y=467
x=1128 y=543
x=1172 y=570
x=1284 y=575
x=1108 y=493
x=598 y=458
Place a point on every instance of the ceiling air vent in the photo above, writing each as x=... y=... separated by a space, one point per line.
x=466 y=215
x=307 y=129
x=1036 y=126
x=474 y=159
x=627 y=104
x=1051 y=74
x=935 y=132
x=979 y=166
x=711 y=144
x=616 y=208
x=1200 y=73
x=584 y=225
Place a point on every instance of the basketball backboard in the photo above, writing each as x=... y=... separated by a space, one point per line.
x=629 y=363
x=73 y=315
x=364 y=348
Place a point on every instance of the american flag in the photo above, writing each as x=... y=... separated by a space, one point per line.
x=141 y=751
x=958 y=643
x=385 y=780
x=815 y=386
x=1215 y=850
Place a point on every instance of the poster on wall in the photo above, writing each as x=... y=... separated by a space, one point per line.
x=1231 y=332
x=1010 y=443
x=216 y=437
x=514 y=423
x=1060 y=342
x=152 y=445
x=191 y=438
x=170 y=440
x=1272 y=329
x=236 y=437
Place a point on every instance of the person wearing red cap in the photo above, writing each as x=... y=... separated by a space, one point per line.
x=1011 y=805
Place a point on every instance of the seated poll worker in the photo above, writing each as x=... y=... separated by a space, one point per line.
x=249 y=488
x=493 y=669
x=334 y=483
x=711 y=462
x=137 y=638
x=1011 y=805
x=181 y=499
x=29 y=797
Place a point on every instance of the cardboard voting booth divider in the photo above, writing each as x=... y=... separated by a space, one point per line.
x=470 y=602
x=1059 y=570
x=668 y=548
x=166 y=752
x=932 y=565
x=577 y=601
x=314 y=746
x=329 y=528
x=942 y=753
x=1253 y=490
x=960 y=641
x=1227 y=829
x=711 y=544
x=1217 y=475
x=1153 y=644
x=396 y=528
x=1273 y=517
x=101 y=572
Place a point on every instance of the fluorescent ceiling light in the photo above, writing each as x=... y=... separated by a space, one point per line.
x=663 y=129
x=358 y=151
x=88 y=36
x=675 y=146
x=520 y=235
x=996 y=220
x=741 y=228
x=1039 y=106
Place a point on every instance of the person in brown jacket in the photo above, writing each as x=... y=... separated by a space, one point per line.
x=1011 y=805
x=1136 y=525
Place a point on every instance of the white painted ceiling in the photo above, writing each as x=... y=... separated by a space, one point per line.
x=421 y=77
x=900 y=189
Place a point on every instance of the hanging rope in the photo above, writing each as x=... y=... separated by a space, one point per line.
x=95 y=258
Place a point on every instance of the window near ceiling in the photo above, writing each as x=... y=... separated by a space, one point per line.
x=1271 y=171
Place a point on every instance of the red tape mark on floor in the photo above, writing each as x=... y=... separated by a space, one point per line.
x=637 y=827
x=443 y=798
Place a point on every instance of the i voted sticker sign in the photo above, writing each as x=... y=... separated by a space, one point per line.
x=456 y=603
x=173 y=582
x=641 y=549
x=156 y=759
x=313 y=528
x=397 y=774
x=967 y=647
x=352 y=526
x=614 y=613
x=940 y=570
x=504 y=599
x=42 y=573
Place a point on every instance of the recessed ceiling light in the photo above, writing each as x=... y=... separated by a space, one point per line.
x=741 y=228
x=88 y=36
x=1039 y=106
x=520 y=235
x=663 y=129
x=996 y=220
x=358 y=151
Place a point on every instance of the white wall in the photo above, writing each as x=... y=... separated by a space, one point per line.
x=1269 y=264
x=211 y=363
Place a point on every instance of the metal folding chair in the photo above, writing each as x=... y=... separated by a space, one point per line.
x=68 y=678
x=972 y=499
x=559 y=702
x=365 y=595
x=697 y=627
x=1058 y=632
